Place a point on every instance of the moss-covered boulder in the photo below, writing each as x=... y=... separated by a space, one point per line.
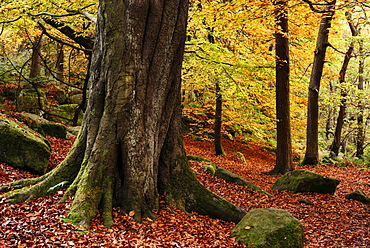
x=73 y=130
x=44 y=126
x=358 y=195
x=306 y=181
x=269 y=228
x=67 y=112
x=53 y=129
x=23 y=148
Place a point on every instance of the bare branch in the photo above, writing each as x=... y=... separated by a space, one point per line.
x=52 y=15
x=9 y=21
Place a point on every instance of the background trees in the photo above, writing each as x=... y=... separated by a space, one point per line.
x=240 y=56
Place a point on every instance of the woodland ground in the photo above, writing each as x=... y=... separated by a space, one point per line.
x=331 y=221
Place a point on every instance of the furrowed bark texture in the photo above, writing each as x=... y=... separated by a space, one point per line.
x=132 y=127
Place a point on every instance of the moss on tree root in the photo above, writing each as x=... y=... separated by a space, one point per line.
x=227 y=175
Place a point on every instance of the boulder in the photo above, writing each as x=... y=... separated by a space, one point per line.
x=44 y=126
x=269 y=227
x=67 y=112
x=73 y=130
x=23 y=148
x=306 y=181
x=359 y=195
x=53 y=129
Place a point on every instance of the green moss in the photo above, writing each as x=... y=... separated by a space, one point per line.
x=56 y=130
x=74 y=218
x=197 y=158
x=241 y=156
x=269 y=228
x=306 y=181
x=210 y=167
x=22 y=147
x=66 y=111
x=358 y=195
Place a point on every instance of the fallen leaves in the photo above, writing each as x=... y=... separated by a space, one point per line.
x=332 y=220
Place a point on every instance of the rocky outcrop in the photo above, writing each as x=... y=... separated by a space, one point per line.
x=44 y=126
x=306 y=181
x=23 y=148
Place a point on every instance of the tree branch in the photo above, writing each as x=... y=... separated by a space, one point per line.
x=312 y=6
x=9 y=21
x=88 y=51
x=84 y=41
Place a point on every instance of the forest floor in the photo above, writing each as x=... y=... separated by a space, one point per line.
x=332 y=221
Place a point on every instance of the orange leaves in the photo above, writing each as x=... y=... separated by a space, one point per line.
x=332 y=221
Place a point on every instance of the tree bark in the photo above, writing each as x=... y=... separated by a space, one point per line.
x=312 y=133
x=59 y=66
x=35 y=68
x=361 y=131
x=130 y=148
x=343 y=102
x=218 y=121
x=284 y=161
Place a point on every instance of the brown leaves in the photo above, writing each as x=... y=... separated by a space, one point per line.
x=331 y=221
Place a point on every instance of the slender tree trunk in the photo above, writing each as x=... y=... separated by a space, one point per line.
x=312 y=133
x=360 y=139
x=59 y=65
x=329 y=122
x=342 y=79
x=130 y=148
x=284 y=161
x=218 y=121
x=35 y=68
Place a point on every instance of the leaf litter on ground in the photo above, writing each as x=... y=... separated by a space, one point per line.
x=331 y=220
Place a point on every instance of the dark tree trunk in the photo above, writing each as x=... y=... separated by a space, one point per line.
x=284 y=161
x=361 y=131
x=35 y=68
x=59 y=65
x=130 y=149
x=218 y=121
x=312 y=133
x=342 y=79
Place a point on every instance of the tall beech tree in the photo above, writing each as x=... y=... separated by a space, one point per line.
x=312 y=133
x=344 y=92
x=129 y=150
x=284 y=161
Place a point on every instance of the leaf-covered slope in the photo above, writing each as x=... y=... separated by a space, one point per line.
x=330 y=221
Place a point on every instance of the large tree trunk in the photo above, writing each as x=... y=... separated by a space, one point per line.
x=130 y=149
x=312 y=133
x=284 y=161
